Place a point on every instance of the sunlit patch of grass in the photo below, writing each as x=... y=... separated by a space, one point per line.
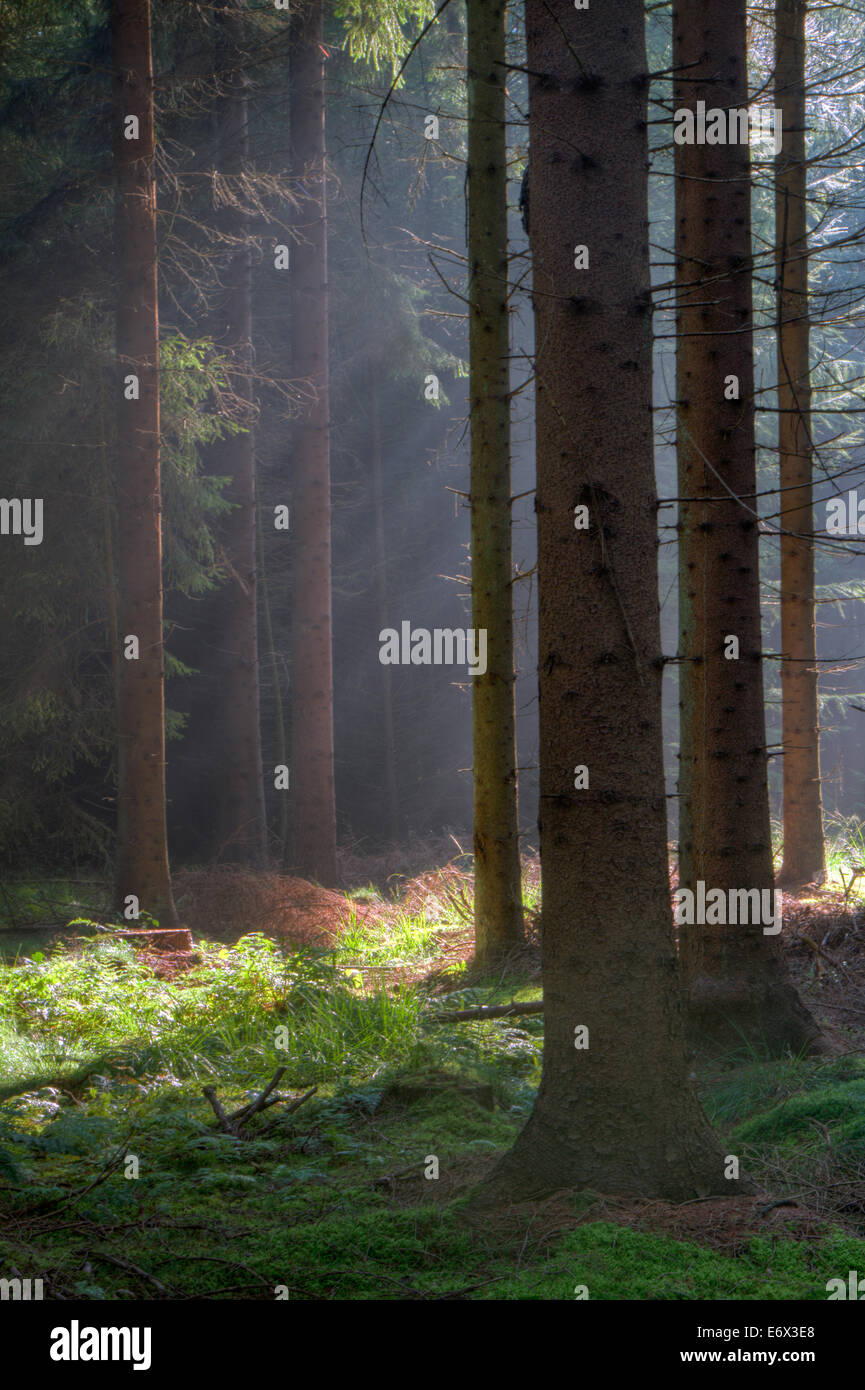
x=24 y=1056
x=845 y=856
x=243 y=1010
x=532 y=897
x=397 y=939
x=368 y=893
x=454 y=970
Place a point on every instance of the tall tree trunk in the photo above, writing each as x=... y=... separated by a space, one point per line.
x=804 y=859
x=498 y=900
x=240 y=815
x=142 y=850
x=739 y=991
x=312 y=781
x=618 y=1114
x=391 y=789
x=273 y=663
x=110 y=568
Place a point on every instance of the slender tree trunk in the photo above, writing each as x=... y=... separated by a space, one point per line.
x=110 y=570
x=240 y=815
x=804 y=860
x=142 y=850
x=391 y=790
x=618 y=1114
x=498 y=900
x=278 y=711
x=739 y=991
x=312 y=780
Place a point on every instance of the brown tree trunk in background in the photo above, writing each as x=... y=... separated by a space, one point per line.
x=312 y=778
x=142 y=850
x=241 y=825
x=498 y=899
x=619 y=1115
x=110 y=568
x=738 y=989
x=392 y=825
x=804 y=856
x=278 y=709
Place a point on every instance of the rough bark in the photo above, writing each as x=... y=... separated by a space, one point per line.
x=241 y=826
x=738 y=988
x=620 y=1115
x=312 y=777
x=498 y=903
x=142 y=850
x=804 y=856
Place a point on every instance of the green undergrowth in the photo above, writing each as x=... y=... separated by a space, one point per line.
x=845 y=856
x=800 y=1126
x=398 y=940
x=116 y=1183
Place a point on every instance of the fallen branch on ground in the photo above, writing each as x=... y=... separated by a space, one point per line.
x=131 y=1269
x=819 y=952
x=105 y=1172
x=235 y=1123
x=533 y=1006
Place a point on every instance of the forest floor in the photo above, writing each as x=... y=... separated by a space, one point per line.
x=116 y=1181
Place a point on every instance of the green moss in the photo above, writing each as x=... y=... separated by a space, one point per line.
x=840 y=1107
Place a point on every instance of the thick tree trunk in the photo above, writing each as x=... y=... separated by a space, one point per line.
x=237 y=787
x=619 y=1114
x=142 y=851
x=498 y=901
x=312 y=780
x=804 y=859
x=739 y=992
